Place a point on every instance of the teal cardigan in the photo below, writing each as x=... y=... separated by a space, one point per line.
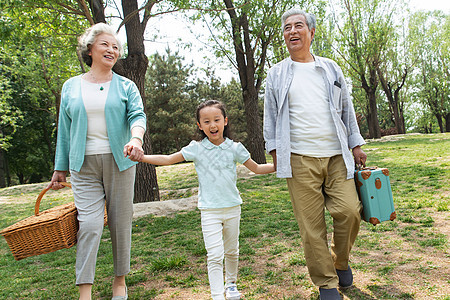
x=123 y=111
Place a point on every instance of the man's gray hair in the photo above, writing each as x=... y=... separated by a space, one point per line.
x=87 y=39
x=310 y=18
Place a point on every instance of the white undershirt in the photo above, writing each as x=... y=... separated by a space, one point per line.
x=313 y=132
x=94 y=99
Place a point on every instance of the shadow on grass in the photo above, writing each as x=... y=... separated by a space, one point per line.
x=355 y=293
x=378 y=292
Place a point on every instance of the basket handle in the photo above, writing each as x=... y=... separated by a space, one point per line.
x=42 y=193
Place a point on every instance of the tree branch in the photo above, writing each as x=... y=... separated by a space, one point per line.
x=239 y=50
x=86 y=11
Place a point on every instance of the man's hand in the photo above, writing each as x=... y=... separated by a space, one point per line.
x=359 y=155
x=273 y=153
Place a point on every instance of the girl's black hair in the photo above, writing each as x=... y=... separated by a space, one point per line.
x=219 y=105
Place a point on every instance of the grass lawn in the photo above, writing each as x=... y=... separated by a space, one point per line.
x=405 y=259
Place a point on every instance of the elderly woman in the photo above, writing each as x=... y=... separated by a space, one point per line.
x=101 y=116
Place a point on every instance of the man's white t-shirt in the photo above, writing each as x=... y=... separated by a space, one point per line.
x=312 y=129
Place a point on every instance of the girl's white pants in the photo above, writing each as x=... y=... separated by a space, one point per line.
x=220 y=229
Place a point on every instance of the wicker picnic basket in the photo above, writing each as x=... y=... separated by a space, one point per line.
x=45 y=232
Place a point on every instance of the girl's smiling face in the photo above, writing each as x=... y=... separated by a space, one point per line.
x=212 y=122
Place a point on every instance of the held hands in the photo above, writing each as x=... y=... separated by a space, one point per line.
x=133 y=150
x=273 y=153
x=360 y=156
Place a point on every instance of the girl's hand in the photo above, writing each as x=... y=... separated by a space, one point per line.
x=259 y=168
x=127 y=150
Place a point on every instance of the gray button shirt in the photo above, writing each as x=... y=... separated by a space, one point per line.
x=276 y=113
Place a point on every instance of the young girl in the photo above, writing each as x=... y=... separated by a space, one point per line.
x=215 y=159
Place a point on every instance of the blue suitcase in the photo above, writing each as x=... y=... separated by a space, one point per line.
x=374 y=190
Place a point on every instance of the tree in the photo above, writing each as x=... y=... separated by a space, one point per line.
x=134 y=66
x=421 y=119
x=31 y=149
x=35 y=62
x=170 y=109
x=364 y=34
x=8 y=124
x=231 y=95
x=248 y=29
x=393 y=72
x=432 y=31
x=172 y=98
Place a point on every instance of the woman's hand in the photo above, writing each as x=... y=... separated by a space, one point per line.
x=134 y=150
x=58 y=176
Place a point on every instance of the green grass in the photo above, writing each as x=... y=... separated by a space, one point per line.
x=404 y=259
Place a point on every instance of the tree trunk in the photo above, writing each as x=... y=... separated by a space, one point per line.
x=447 y=122
x=393 y=98
x=246 y=67
x=255 y=140
x=439 y=120
x=372 y=116
x=134 y=67
x=397 y=115
x=146 y=187
x=2 y=169
x=400 y=123
x=21 y=178
x=373 y=123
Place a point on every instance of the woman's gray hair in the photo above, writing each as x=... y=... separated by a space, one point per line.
x=90 y=35
x=310 y=18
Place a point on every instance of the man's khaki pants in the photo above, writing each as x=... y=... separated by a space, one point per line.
x=317 y=183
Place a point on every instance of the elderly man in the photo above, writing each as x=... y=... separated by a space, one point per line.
x=309 y=129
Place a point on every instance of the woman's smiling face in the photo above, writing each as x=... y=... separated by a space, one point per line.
x=212 y=122
x=105 y=50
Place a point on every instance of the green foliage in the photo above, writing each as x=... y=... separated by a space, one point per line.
x=173 y=92
x=38 y=39
x=8 y=116
x=245 y=34
x=365 y=28
x=231 y=95
x=38 y=55
x=264 y=24
x=420 y=118
x=30 y=152
x=431 y=32
x=170 y=111
x=382 y=40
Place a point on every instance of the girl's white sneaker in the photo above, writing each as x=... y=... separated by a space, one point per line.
x=232 y=293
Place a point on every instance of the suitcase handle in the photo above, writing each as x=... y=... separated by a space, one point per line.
x=42 y=193
x=361 y=168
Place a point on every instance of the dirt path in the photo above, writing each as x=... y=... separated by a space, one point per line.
x=17 y=194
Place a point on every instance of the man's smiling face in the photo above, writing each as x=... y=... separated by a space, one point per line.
x=297 y=35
